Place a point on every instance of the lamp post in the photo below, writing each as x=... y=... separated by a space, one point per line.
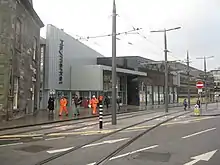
x=166 y=66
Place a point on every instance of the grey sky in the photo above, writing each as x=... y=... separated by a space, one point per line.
x=199 y=19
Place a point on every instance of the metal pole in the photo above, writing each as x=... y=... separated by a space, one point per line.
x=166 y=71
x=100 y=115
x=205 y=84
x=188 y=85
x=114 y=120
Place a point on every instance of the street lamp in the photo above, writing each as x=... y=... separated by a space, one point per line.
x=205 y=79
x=166 y=67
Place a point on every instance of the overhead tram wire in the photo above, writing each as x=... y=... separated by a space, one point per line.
x=109 y=35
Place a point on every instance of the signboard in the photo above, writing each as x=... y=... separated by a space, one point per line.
x=60 y=80
x=199 y=90
x=199 y=85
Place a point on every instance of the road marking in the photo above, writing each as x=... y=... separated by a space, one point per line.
x=105 y=142
x=11 y=139
x=86 y=146
x=205 y=157
x=12 y=144
x=56 y=138
x=198 y=133
x=83 y=128
x=129 y=153
x=37 y=137
x=49 y=126
x=65 y=127
x=19 y=136
x=59 y=150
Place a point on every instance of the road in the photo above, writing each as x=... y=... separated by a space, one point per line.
x=183 y=140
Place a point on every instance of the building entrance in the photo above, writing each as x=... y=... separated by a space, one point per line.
x=133 y=90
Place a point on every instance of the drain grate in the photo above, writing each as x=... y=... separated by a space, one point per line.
x=153 y=156
x=35 y=148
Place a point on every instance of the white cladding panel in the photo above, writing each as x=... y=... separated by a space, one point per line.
x=76 y=58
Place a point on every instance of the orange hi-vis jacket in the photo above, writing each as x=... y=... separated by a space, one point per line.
x=63 y=102
x=93 y=102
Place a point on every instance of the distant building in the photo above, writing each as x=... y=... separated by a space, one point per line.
x=216 y=75
x=19 y=56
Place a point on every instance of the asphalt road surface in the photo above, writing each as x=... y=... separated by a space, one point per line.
x=183 y=140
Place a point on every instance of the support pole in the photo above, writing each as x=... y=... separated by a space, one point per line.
x=100 y=115
x=114 y=119
x=166 y=72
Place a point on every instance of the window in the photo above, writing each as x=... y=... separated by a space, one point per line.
x=34 y=49
x=18 y=34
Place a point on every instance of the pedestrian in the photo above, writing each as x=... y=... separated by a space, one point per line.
x=185 y=104
x=107 y=101
x=50 y=105
x=93 y=103
x=119 y=102
x=77 y=102
x=63 y=106
x=198 y=103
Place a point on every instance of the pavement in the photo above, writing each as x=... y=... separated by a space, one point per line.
x=186 y=140
x=43 y=117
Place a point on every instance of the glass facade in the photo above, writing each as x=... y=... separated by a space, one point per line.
x=155 y=95
x=170 y=95
x=161 y=94
x=149 y=95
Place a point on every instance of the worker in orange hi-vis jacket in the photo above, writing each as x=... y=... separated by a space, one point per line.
x=93 y=102
x=63 y=104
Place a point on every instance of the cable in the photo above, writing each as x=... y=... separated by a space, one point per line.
x=108 y=35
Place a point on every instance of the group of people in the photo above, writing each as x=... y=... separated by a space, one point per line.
x=185 y=104
x=76 y=101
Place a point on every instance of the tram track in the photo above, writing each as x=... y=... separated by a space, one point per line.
x=112 y=133
x=42 y=136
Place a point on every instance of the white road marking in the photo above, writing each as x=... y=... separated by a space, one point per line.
x=205 y=157
x=129 y=153
x=133 y=152
x=198 y=133
x=49 y=126
x=12 y=144
x=65 y=127
x=83 y=128
x=37 y=137
x=59 y=150
x=11 y=139
x=105 y=142
x=86 y=146
x=55 y=138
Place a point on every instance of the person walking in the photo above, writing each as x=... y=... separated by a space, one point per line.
x=119 y=102
x=107 y=101
x=50 y=105
x=185 y=104
x=93 y=102
x=63 y=106
x=77 y=102
x=198 y=103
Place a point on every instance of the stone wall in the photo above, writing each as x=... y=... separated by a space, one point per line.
x=22 y=62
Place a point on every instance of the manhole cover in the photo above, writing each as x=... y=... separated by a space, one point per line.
x=34 y=148
x=153 y=156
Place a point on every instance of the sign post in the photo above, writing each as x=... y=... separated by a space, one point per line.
x=200 y=86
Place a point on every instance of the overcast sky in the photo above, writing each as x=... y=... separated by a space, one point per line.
x=199 y=19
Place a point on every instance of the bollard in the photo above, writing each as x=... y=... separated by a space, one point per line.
x=100 y=115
